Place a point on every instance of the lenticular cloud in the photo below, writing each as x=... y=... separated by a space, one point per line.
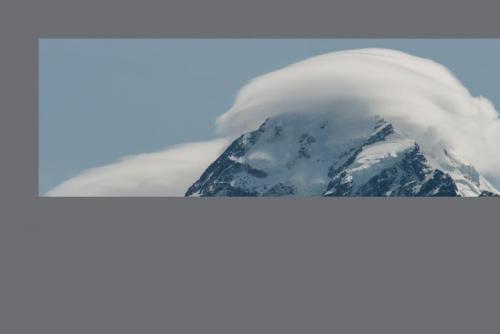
x=421 y=97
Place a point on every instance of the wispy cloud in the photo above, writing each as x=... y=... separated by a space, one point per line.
x=165 y=173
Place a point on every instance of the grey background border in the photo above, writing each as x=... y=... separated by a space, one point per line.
x=158 y=265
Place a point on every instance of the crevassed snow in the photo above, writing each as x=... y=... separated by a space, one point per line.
x=376 y=157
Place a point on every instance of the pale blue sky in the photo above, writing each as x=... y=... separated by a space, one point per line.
x=101 y=99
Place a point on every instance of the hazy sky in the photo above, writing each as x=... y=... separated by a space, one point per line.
x=101 y=99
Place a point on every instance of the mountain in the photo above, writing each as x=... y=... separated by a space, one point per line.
x=298 y=155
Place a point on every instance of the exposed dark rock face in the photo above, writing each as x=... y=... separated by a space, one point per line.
x=488 y=194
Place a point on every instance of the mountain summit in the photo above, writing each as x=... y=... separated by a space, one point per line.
x=296 y=155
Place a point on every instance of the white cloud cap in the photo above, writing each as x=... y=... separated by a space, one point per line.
x=420 y=96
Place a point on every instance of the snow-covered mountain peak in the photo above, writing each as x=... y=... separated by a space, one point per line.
x=304 y=155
